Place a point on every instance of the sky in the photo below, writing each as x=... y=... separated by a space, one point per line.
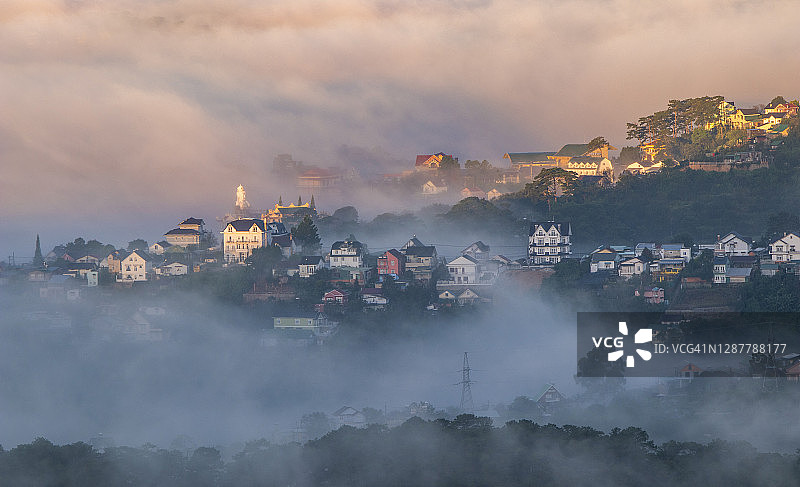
x=119 y=119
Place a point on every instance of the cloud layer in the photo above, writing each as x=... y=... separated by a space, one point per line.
x=134 y=107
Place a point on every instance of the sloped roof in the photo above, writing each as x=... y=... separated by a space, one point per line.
x=144 y=255
x=563 y=228
x=467 y=257
x=346 y=244
x=414 y=242
x=573 y=150
x=749 y=111
x=183 y=231
x=604 y=256
x=420 y=251
x=547 y=388
x=346 y=410
x=284 y=240
x=245 y=224
x=528 y=157
x=737 y=235
x=738 y=271
x=396 y=253
x=277 y=228
x=479 y=245
x=192 y=221
x=310 y=260
x=424 y=157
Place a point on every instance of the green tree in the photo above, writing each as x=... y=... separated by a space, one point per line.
x=448 y=164
x=263 y=260
x=781 y=222
x=474 y=164
x=550 y=184
x=777 y=100
x=597 y=143
x=629 y=155
x=38 y=261
x=138 y=244
x=346 y=214
x=306 y=234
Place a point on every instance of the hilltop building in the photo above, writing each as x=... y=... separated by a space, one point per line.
x=430 y=161
x=290 y=215
x=240 y=237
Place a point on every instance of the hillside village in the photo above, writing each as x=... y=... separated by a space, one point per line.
x=282 y=244
x=309 y=287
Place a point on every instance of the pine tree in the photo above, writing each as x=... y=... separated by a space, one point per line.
x=313 y=205
x=307 y=236
x=299 y=200
x=38 y=261
x=280 y=200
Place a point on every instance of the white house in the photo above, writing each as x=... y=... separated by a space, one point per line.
x=549 y=242
x=464 y=270
x=174 y=269
x=135 y=267
x=183 y=237
x=240 y=237
x=676 y=251
x=631 y=267
x=310 y=265
x=721 y=264
x=348 y=416
x=785 y=249
x=604 y=260
x=477 y=250
x=733 y=244
x=159 y=248
x=347 y=253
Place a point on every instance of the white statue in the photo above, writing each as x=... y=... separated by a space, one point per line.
x=241 y=199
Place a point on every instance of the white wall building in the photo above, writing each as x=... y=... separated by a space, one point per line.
x=347 y=253
x=464 y=270
x=549 y=242
x=733 y=244
x=135 y=267
x=240 y=237
x=785 y=249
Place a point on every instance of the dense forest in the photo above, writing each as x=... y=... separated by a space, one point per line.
x=464 y=451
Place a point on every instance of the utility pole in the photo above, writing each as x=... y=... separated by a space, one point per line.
x=466 y=391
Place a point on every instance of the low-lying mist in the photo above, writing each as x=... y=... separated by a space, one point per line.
x=173 y=368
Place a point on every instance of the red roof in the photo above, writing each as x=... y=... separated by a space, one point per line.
x=421 y=159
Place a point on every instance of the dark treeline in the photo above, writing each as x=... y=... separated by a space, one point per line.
x=655 y=207
x=464 y=451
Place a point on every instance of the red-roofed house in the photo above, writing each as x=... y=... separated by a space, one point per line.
x=336 y=296
x=430 y=161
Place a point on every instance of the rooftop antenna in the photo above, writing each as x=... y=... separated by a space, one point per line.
x=466 y=391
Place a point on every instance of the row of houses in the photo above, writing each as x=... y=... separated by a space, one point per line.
x=735 y=258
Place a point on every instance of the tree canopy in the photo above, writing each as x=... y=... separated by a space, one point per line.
x=306 y=234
